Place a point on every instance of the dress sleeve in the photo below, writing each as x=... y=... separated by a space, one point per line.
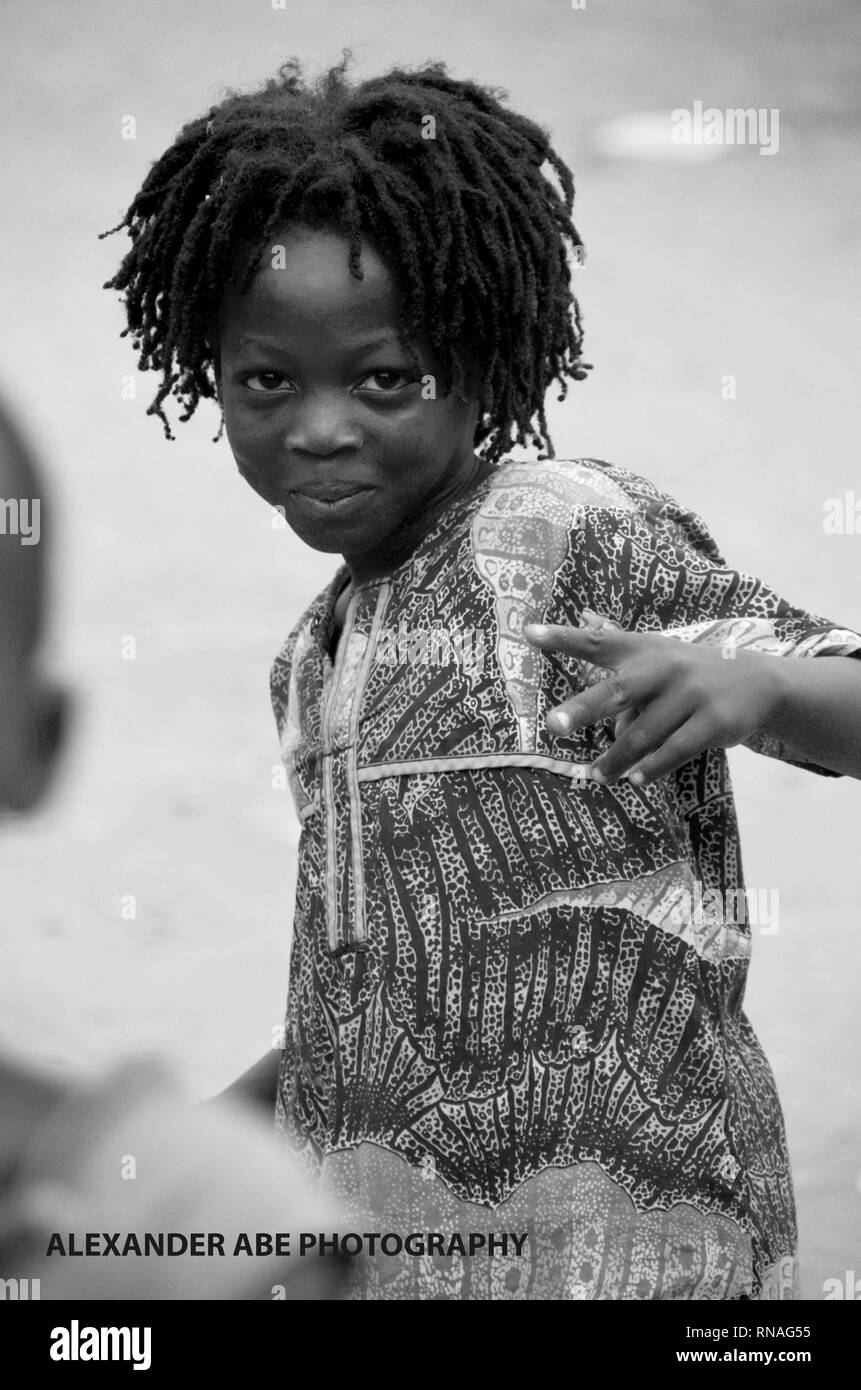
x=290 y=688
x=279 y=685
x=654 y=567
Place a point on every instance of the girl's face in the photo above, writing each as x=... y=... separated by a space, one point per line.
x=321 y=402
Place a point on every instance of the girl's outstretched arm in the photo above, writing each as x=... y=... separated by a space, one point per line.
x=818 y=717
x=673 y=699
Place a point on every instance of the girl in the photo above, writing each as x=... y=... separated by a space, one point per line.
x=514 y=1026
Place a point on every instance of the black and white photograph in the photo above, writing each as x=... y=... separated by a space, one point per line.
x=430 y=666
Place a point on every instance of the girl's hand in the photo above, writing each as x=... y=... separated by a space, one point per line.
x=671 y=699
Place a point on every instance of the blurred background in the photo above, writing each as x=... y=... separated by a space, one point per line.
x=149 y=905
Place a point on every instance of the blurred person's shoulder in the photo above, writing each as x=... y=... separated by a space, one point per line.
x=209 y=1192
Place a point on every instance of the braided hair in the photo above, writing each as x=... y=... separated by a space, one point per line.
x=442 y=178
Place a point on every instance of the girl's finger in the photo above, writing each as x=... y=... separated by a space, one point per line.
x=599 y=642
x=624 y=721
x=632 y=686
x=686 y=743
x=603 y=700
x=645 y=735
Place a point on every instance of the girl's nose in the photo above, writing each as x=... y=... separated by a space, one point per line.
x=322 y=426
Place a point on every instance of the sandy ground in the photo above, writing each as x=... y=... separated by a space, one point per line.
x=744 y=265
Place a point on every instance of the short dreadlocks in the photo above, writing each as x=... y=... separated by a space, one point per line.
x=436 y=172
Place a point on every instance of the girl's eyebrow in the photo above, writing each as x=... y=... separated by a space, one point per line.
x=388 y=339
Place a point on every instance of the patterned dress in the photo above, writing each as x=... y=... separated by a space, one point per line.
x=515 y=1001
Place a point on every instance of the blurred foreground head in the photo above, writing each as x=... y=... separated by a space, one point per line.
x=31 y=711
x=62 y=1148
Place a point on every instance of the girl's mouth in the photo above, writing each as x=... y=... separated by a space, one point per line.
x=329 y=506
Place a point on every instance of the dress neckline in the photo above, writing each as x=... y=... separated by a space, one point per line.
x=341 y=578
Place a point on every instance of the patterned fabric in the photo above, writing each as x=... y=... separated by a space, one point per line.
x=515 y=1000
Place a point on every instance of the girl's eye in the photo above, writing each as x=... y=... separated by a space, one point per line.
x=270 y=381
x=391 y=380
